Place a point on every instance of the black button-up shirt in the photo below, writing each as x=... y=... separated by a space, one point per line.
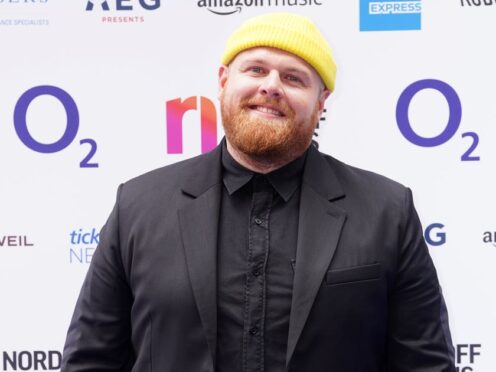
x=258 y=233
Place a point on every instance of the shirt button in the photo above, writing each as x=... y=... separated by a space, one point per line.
x=256 y=272
x=253 y=331
x=258 y=221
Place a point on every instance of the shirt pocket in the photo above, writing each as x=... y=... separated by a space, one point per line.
x=353 y=274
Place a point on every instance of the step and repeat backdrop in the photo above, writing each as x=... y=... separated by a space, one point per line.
x=95 y=92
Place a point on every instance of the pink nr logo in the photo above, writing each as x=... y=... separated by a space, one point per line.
x=176 y=109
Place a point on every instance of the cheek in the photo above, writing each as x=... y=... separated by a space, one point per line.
x=307 y=104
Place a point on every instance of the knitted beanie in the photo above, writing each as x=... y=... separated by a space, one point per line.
x=290 y=32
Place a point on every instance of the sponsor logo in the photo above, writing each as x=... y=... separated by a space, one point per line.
x=390 y=15
x=477 y=3
x=71 y=128
x=31 y=360
x=15 y=241
x=122 y=11
x=22 y=4
x=228 y=7
x=434 y=234
x=82 y=245
x=176 y=109
x=455 y=117
x=466 y=355
x=489 y=237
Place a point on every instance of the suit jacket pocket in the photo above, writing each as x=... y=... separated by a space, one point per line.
x=353 y=274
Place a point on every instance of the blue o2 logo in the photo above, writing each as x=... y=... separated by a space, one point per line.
x=455 y=117
x=71 y=128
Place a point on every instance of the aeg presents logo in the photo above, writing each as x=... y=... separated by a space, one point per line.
x=123 y=4
x=124 y=9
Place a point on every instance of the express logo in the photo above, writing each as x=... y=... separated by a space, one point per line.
x=228 y=7
x=455 y=116
x=71 y=129
x=390 y=15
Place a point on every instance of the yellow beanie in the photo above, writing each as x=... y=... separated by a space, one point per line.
x=290 y=32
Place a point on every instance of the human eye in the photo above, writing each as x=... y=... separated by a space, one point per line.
x=255 y=69
x=293 y=79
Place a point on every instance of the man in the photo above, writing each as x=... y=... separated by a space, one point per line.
x=264 y=254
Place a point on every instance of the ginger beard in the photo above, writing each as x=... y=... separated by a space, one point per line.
x=281 y=139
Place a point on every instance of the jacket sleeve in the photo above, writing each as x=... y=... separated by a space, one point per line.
x=419 y=339
x=98 y=338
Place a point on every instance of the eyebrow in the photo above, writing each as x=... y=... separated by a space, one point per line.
x=304 y=74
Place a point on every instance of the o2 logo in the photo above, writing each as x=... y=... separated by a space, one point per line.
x=176 y=109
x=434 y=235
x=455 y=116
x=71 y=128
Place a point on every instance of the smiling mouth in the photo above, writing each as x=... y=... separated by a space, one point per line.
x=267 y=110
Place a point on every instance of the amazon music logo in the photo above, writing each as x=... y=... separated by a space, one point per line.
x=228 y=7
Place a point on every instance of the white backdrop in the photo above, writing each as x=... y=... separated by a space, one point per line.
x=116 y=72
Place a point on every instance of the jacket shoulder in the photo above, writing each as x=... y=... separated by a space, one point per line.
x=363 y=183
x=161 y=185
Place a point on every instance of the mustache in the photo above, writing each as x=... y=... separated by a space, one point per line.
x=275 y=104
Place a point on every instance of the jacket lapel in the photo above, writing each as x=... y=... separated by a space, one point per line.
x=198 y=221
x=319 y=228
x=320 y=225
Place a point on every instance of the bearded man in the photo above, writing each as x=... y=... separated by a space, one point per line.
x=264 y=254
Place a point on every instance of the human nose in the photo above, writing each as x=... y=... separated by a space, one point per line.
x=271 y=85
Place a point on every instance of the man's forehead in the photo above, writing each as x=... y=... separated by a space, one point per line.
x=267 y=54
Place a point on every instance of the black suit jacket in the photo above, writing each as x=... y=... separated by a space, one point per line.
x=365 y=296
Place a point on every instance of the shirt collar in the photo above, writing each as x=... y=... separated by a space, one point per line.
x=284 y=180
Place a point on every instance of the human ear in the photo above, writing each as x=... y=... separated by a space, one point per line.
x=223 y=74
x=323 y=95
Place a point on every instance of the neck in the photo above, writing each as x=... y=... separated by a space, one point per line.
x=258 y=164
